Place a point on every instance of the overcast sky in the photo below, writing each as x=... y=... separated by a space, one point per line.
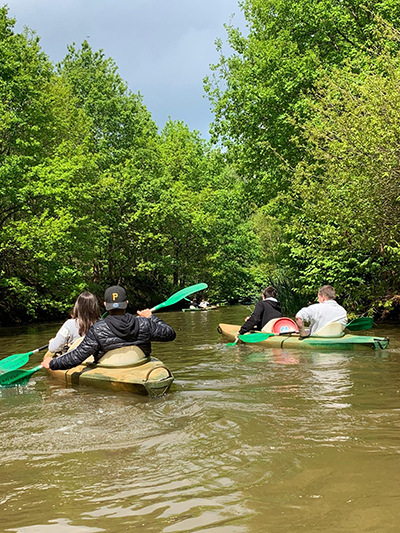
x=163 y=48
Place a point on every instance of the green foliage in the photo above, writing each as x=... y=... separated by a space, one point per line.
x=307 y=108
x=176 y=226
x=347 y=231
x=44 y=162
x=256 y=91
x=122 y=125
x=92 y=195
x=305 y=191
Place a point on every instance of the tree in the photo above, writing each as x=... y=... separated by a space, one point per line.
x=346 y=230
x=126 y=145
x=44 y=161
x=256 y=91
x=122 y=126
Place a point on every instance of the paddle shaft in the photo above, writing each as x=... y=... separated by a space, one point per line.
x=40 y=349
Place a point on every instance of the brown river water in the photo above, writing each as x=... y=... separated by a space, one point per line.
x=248 y=440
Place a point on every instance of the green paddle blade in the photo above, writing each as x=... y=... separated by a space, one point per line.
x=19 y=359
x=180 y=295
x=255 y=337
x=14 y=361
x=15 y=376
x=359 y=324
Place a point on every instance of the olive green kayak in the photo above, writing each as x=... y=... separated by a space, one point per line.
x=344 y=342
x=125 y=369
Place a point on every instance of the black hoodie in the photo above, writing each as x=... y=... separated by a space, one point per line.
x=124 y=326
x=264 y=311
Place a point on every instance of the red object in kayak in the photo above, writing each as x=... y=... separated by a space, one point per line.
x=284 y=325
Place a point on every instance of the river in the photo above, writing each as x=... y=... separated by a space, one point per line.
x=248 y=440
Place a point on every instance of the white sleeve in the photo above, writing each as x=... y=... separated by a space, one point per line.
x=304 y=314
x=60 y=340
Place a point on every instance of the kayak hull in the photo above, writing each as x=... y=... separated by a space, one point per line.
x=345 y=342
x=151 y=378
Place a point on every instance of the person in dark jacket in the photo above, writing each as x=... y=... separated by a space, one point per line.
x=118 y=329
x=264 y=311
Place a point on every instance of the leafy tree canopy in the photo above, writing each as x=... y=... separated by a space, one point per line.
x=256 y=91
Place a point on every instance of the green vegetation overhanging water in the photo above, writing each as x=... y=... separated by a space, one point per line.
x=249 y=440
x=93 y=194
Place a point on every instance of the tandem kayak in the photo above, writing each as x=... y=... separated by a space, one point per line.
x=124 y=369
x=343 y=342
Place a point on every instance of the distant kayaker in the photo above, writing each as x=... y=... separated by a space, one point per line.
x=204 y=304
x=85 y=313
x=320 y=314
x=264 y=311
x=194 y=304
x=118 y=329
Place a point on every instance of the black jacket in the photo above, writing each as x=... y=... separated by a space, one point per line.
x=264 y=311
x=115 y=332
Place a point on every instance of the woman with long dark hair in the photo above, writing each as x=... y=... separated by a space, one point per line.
x=85 y=312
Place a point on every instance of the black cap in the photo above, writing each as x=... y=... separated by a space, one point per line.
x=115 y=298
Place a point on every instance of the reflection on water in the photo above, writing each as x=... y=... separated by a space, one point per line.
x=248 y=440
x=60 y=525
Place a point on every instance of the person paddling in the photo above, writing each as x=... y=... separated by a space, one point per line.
x=318 y=315
x=118 y=329
x=85 y=313
x=265 y=310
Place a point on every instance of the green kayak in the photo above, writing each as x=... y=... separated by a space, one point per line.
x=344 y=342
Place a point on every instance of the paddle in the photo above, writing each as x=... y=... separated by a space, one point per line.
x=13 y=362
x=232 y=343
x=255 y=337
x=180 y=295
x=362 y=323
x=12 y=376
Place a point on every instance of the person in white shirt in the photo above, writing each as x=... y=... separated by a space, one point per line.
x=86 y=312
x=320 y=314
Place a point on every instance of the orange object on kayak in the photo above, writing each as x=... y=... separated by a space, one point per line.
x=284 y=325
